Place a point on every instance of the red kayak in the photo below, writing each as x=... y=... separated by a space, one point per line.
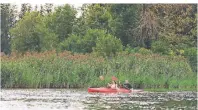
x=108 y=90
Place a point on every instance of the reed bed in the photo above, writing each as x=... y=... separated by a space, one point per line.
x=68 y=70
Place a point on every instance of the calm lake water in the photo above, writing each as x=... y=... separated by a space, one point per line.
x=75 y=99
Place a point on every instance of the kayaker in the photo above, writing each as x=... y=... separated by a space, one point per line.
x=127 y=85
x=113 y=85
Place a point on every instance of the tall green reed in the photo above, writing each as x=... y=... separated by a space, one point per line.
x=49 y=70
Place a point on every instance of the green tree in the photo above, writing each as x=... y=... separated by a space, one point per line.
x=118 y=20
x=42 y=10
x=98 y=17
x=91 y=37
x=36 y=8
x=8 y=19
x=80 y=27
x=177 y=24
x=48 y=7
x=83 y=44
x=125 y=21
x=30 y=35
x=61 y=21
x=26 y=7
x=29 y=8
x=148 y=27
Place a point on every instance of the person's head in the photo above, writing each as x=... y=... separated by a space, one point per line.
x=126 y=81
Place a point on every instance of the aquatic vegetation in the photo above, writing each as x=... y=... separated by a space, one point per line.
x=60 y=70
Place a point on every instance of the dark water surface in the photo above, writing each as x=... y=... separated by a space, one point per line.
x=75 y=99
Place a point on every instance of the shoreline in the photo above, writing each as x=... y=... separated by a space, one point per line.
x=145 y=90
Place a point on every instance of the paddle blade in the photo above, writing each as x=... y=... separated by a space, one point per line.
x=114 y=78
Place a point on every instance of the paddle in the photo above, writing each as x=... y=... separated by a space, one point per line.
x=114 y=78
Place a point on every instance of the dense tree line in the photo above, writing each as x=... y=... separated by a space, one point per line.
x=105 y=29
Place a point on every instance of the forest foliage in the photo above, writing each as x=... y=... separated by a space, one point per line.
x=102 y=29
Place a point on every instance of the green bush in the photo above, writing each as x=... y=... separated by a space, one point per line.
x=130 y=49
x=83 y=44
x=108 y=46
x=144 y=51
x=160 y=47
x=72 y=43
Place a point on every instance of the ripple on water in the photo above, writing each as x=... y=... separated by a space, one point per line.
x=34 y=99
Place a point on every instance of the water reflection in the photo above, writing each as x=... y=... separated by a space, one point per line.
x=34 y=99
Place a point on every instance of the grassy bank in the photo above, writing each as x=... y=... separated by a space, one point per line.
x=48 y=70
